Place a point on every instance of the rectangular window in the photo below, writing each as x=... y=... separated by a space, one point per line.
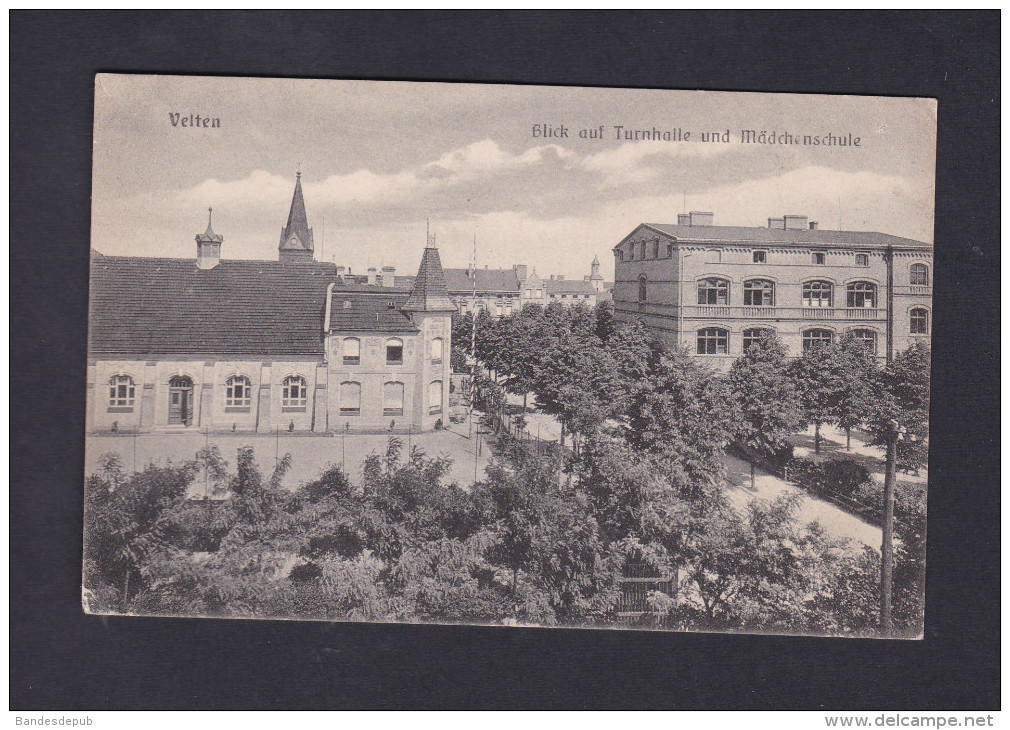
x=352 y=351
x=392 y=399
x=819 y=258
x=350 y=399
x=760 y=257
x=862 y=259
x=394 y=352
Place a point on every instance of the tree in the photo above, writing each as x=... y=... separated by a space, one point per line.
x=858 y=373
x=901 y=394
x=766 y=397
x=686 y=414
x=819 y=378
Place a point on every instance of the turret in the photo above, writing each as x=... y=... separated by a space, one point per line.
x=208 y=245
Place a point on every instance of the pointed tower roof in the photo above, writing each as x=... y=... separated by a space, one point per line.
x=596 y=260
x=297 y=236
x=430 y=293
x=209 y=236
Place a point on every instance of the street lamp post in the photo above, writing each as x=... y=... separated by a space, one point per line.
x=887 y=535
x=895 y=433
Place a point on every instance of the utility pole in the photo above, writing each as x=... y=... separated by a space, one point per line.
x=887 y=530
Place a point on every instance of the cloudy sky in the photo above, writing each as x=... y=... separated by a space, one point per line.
x=379 y=158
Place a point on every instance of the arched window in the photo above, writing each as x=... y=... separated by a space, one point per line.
x=122 y=393
x=618 y=253
x=817 y=338
x=713 y=291
x=352 y=351
x=237 y=392
x=294 y=392
x=861 y=295
x=436 y=351
x=643 y=287
x=180 y=381
x=713 y=341
x=394 y=351
x=918 y=274
x=817 y=294
x=350 y=398
x=392 y=399
x=655 y=249
x=868 y=338
x=642 y=251
x=918 y=323
x=758 y=293
x=435 y=397
x=753 y=335
x=631 y=251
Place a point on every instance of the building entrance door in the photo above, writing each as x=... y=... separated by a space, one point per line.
x=180 y=400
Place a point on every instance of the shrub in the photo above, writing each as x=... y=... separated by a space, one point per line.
x=841 y=477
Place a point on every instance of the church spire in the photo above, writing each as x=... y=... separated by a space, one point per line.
x=296 y=236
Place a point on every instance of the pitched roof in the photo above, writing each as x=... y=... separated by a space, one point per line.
x=568 y=286
x=461 y=281
x=429 y=293
x=157 y=306
x=298 y=222
x=785 y=237
x=369 y=309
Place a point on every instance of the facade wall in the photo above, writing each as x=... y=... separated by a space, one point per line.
x=263 y=410
x=673 y=271
x=498 y=304
x=417 y=371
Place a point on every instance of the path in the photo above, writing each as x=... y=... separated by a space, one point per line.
x=835 y=520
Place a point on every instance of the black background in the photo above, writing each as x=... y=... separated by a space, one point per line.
x=62 y=659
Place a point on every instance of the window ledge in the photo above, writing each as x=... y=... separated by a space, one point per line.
x=292 y=409
x=120 y=409
x=236 y=409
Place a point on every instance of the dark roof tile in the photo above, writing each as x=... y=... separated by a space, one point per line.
x=157 y=306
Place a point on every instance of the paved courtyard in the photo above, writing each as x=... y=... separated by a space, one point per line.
x=310 y=454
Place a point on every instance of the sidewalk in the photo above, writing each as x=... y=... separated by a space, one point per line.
x=835 y=520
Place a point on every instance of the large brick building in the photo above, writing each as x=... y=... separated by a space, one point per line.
x=211 y=343
x=713 y=289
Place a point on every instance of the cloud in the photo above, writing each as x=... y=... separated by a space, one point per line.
x=639 y=162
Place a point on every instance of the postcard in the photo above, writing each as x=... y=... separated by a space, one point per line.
x=509 y=355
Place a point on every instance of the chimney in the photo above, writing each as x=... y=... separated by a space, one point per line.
x=520 y=270
x=371 y=276
x=389 y=276
x=795 y=222
x=700 y=218
x=340 y=271
x=552 y=277
x=683 y=219
x=813 y=225
x=776 y=223
x=561 y=277
x=208 y=246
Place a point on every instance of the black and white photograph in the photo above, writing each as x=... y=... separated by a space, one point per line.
x=516 y=356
